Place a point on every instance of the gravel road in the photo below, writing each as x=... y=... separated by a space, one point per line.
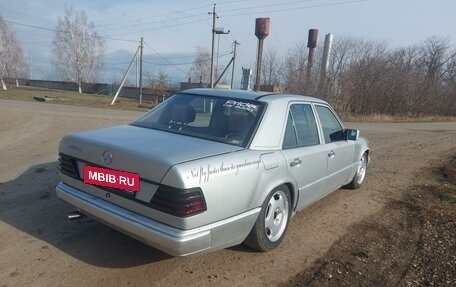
x=39 y=247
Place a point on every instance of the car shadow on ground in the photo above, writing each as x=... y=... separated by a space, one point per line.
x=29 y=203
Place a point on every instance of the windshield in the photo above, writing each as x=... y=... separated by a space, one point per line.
x=226 y=120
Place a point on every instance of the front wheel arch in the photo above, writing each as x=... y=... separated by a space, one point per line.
x=360 y=174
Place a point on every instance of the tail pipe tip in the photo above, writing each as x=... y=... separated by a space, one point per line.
x=74 y=215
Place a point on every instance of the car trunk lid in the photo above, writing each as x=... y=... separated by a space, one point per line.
x=140 y=150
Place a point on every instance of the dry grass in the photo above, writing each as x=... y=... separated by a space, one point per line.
x=72 y=98
x=104 y=101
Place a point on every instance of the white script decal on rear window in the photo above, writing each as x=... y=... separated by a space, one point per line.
x=241 y=106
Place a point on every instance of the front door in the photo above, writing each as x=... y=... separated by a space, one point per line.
x=340 y=153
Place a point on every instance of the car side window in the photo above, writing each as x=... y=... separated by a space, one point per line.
x=301 y=129
x=332 y=129
x=290 y=139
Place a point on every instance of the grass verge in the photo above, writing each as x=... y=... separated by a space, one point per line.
x=31 y=94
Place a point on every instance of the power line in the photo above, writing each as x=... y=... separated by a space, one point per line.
x=56 y=30
x=166 y=14
x=172 y=64
x=115 y=64
x=156 y=16
x=229 y=15
x=161 y=27
x=167 y=64
x=187 y=63
x=298 y=8
x=264 y=6
x=159 y=22
x=112 y=37
x=230 y=2
x=135 y=25
x=103 y=27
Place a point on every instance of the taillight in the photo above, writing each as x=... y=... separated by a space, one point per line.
x=67 y=166
x=179 y=202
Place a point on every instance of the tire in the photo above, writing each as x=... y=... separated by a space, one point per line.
x=272 y=222
x=360 y=174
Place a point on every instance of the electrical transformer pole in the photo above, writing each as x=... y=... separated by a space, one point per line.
x=215 y=31
x=214 y=15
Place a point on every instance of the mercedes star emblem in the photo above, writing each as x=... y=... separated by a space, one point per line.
x=107 y=157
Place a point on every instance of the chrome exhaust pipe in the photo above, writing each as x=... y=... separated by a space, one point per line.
x=74 y=215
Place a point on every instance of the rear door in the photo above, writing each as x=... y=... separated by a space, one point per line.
x=340 y=153
x=305 y=156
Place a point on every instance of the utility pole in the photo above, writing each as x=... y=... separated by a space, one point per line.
x=30 y=67
x=137 y=72
x=234 y=62
x=214 y=15
x=224 y=70
x=140 y=71
x=215 y=31
x=125 y=75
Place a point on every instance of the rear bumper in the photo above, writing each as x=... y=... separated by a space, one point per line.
x=174 y=241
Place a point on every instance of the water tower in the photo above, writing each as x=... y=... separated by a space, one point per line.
x=261 y=31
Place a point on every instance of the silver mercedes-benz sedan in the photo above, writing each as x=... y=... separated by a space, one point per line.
x=209 y=169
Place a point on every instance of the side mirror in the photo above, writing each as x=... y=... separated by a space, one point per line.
x=351 y=134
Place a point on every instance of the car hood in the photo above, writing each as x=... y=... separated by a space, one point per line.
x=148 y=152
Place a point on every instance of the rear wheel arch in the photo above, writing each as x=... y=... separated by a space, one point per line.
x=291 y=188
x=273 y=219
x=293 y=194
x=367 y=151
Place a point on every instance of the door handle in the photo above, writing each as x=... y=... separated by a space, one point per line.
x=331 y=154
x=295 y=162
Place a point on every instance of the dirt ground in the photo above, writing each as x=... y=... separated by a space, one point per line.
x=411 y=242
x=398 y=229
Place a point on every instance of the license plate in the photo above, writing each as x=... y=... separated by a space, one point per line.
x=111 y=178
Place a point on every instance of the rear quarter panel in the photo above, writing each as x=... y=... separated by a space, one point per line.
x=232 y=183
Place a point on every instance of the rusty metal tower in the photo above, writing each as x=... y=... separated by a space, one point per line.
x=261 y=31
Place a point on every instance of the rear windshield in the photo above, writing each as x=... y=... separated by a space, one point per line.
x=226 y=120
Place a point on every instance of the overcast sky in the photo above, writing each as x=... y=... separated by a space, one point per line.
x=174 y=28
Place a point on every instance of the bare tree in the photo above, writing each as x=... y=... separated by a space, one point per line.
x=414 y=81
x=78 y=48
x=449 y=93
x=271 y=71
x=346 y=51
x=366 y=77
x=161 y=83
x=433 y=57
x=295 y=68
x=200 y=71
x=3 y=57
x=11 y=58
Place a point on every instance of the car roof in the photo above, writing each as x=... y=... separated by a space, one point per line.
x=285 y=98
x=251 y=95
x=240 y=94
